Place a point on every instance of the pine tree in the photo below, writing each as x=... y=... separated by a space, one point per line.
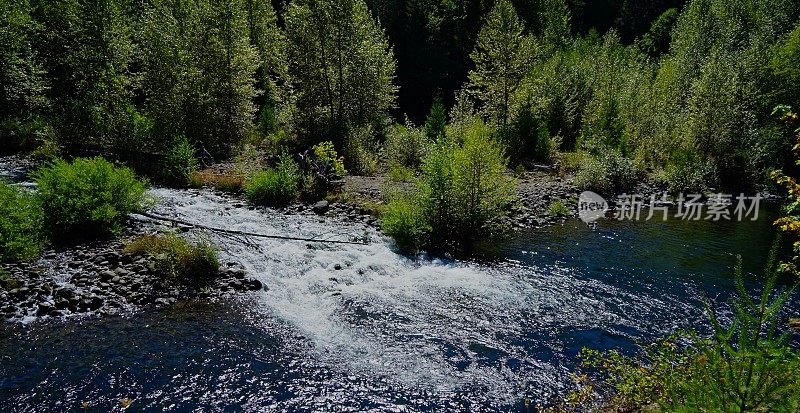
x=436 y=121
x=502 y=56
x=554 y=18
x=341 y=68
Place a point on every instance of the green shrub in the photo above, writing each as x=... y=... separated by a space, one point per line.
x=18 y=135
x=322 y=168
x=180 y=163
x=277 y=186
x=558 y=208
x=403 y=220
x=21 y=225
x=87 y=197
x=462 y=192
x=690 y=177
x=178 y=260
x=48 y=150
x=746 y=365
x=328 y=158
x=608 y=172
x=400 y=173
x=406 y=145
x=572 y=161
x=359 y=150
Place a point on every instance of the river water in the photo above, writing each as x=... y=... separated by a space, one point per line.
x=360 y=328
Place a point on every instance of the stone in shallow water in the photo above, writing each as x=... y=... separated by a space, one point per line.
x=321 y=207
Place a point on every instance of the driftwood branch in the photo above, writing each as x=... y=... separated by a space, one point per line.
x=244 y=233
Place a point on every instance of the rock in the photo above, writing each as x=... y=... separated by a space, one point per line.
x=337 y=267
x=19 y=292
x=236 y=285
x=320 y=207
x=45 y=308
x=253 y=285
x=107 y=275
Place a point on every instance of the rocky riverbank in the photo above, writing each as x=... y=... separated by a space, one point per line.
x=99 y=279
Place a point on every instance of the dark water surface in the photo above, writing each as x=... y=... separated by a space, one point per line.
x=384 y=333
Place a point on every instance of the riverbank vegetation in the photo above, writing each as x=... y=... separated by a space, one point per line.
x=87 y=198
x=22 y=234
x=748 y=363
x=178 y=260
x=75 y=201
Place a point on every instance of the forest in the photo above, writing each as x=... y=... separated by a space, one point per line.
x=397 y=181
x=682 y=93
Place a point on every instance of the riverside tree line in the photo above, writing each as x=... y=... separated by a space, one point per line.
x=683 y=92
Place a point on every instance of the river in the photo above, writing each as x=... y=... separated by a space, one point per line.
x=361 y=328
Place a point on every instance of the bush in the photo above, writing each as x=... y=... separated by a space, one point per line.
x=19 y=135
x=690 y=177
x=745 y=366
x=463 y=190
x=21 y=225
x=328 y=159
x=400 y=173
x=277 y=186
x=322 y=169
x=87 y=197
x=178 y=260
x=180 y=163
x=607 y=173
x=406 y=145
x=360 y=152
x=403 y=220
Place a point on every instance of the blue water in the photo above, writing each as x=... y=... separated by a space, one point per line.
x=386 y=333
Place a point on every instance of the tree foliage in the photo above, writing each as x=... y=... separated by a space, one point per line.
x=341 y=69
x=502 y=55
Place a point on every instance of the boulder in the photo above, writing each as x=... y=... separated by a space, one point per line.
x=320 y=207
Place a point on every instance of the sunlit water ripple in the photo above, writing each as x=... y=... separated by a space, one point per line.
x=384 y=332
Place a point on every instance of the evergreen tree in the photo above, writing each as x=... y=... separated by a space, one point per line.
x=436 y=122
x=502 y=56
x=554 y=18
x=341 y=69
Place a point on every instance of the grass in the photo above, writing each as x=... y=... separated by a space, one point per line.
x=178 y=260
x=558 y=208
x=400 y=173
x=277 y=186
x=227 y=182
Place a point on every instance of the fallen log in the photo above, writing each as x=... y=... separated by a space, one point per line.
x=244 y=233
